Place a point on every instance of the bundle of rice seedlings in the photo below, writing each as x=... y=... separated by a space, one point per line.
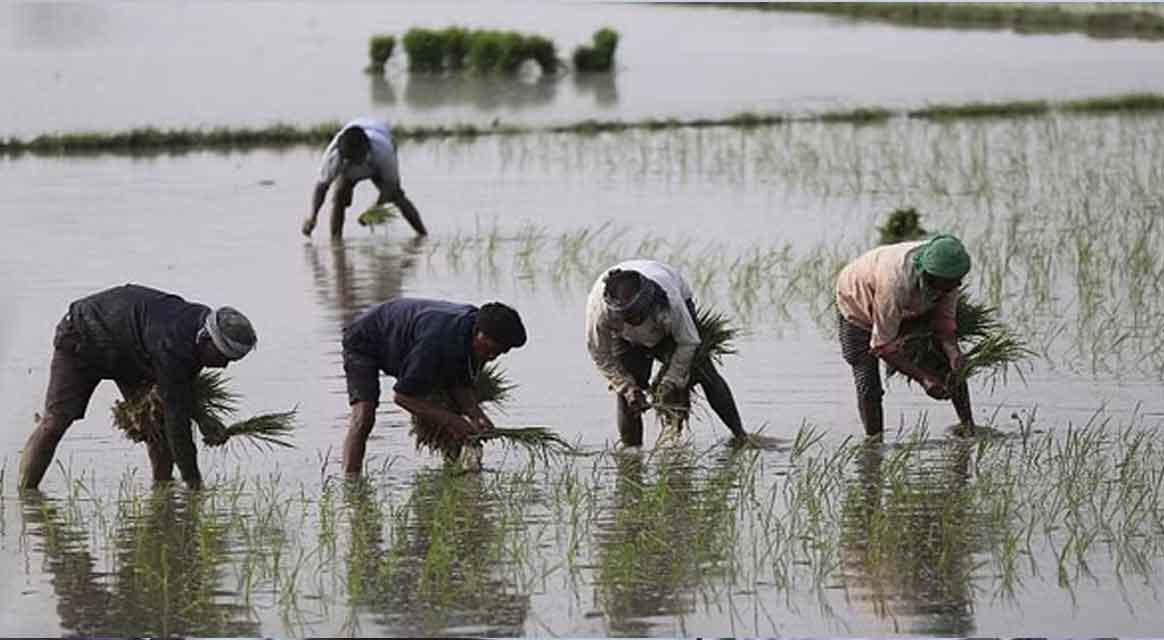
x=493 y=389
x=380 y=48
x=717 y=334
x=537 y=441
x=379 y=214
x=990 y=348
x=142 y=418
x=600 y=56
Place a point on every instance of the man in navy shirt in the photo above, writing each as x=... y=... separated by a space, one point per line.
x=137 y=337
x=428 y=346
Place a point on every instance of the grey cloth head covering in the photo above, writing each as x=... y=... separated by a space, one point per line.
x=640 y=304
x=231 y=332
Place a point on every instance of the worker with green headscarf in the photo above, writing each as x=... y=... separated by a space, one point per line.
x=883 y=289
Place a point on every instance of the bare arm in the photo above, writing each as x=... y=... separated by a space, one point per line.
x=317 y=197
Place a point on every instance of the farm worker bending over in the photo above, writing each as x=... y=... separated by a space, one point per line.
x=362 y=149
x=137 y=337
x=428 y=346
x=879 y=291
x=639 y=311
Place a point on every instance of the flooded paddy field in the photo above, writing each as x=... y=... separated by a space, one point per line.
x=1054 y=526
x=104 y=66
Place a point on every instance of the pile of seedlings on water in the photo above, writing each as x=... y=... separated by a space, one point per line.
x=142 y=418
x=599 y=56
x=380 y=49
x=492 y=389
x=479 y=50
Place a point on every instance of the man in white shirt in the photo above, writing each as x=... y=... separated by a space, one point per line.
x=639 y=311
x=363 y=149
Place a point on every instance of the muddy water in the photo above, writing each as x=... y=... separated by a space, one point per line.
x=222 y=229
x=69 y=66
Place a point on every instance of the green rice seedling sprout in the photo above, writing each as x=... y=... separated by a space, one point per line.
x=141 y=418
x=903 y=224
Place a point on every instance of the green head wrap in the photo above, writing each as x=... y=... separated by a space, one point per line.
x=943 y=256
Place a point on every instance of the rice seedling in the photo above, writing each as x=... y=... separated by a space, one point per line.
x=142 y=418
x=380 y=49
x=902 y=225
x=982 y=110
x=481 y=50
x=537 y=441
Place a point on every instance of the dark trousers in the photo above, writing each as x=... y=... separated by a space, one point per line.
x=638 y=361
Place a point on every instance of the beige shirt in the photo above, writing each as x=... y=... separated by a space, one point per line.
x=606 y=336
x=881 y=289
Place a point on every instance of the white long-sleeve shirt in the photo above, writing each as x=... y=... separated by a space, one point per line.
x=380 y=161
x=606 y=335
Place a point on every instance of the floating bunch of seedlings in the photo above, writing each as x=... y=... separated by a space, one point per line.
x=142 y=418
x=716 y=337
x=599 y=56
x=480 y=50
x=380 y=49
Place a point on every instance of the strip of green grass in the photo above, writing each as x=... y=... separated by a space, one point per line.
x=1124 y=20
x=154 y=140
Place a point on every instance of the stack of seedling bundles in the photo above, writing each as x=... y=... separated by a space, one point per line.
x=480 y=50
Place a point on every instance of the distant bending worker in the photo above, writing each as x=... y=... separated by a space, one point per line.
x=640 y=311
x=363 y=149
x=876 y=294
x=138 y=337
x=428 y=346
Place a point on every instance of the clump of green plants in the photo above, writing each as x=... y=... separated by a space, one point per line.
x=717 y=334
x=380 y=49
x=141 y=418
x=903 y=224
x=600 y=55
x=481 y=50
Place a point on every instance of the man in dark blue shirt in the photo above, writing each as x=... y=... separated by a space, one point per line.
x=428 y=346
x=138 y=337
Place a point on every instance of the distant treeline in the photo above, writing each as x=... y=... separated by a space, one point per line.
x=154 y=140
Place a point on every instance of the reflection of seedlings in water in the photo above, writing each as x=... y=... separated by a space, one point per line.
x=483 y=93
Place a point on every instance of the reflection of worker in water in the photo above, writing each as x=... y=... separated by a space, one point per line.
x=432 y=571
x=909 y=541
x=138 y=337
x=361 y=275
x=164 y=577
x=881 y=290
x=639 y=311
x=428 y=346
x=363 y=149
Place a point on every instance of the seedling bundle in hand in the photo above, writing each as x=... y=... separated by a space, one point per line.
x=716 y=335
x=143 y=418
